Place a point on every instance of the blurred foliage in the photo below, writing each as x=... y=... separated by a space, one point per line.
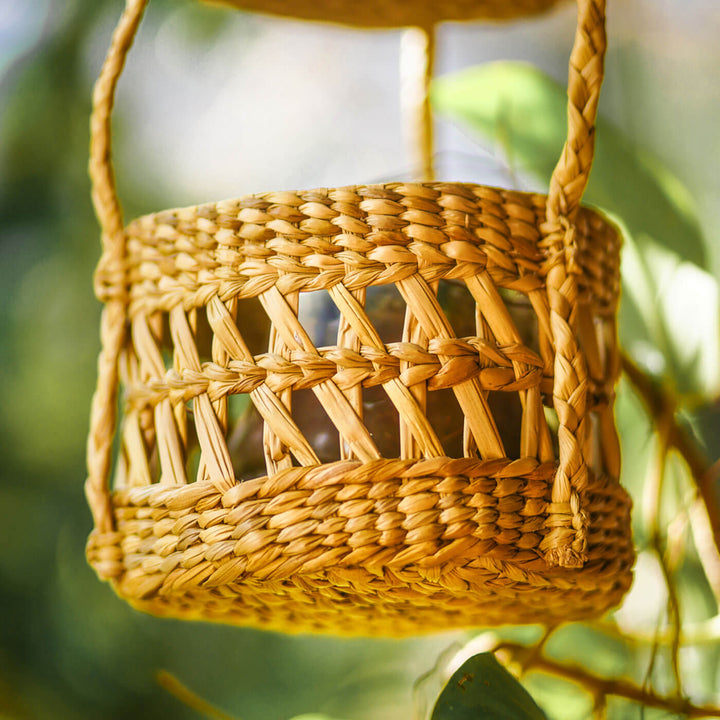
x=70 y=649
x=523 y=110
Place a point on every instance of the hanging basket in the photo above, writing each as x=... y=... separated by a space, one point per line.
x=378 y=409
x=395 y=13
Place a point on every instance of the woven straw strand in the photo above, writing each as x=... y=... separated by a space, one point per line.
x=330 y=396
x=424 y=305
x=571 y=174
x=435 y=543
x=407 y=407
x=271 y=409
x=167 y=433
x=534 y=432
x=391 y=545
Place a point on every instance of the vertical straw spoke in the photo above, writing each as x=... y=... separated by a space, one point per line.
x=403 y=400
x=413 y=333
x=134 y=471
x=347 y=338
x=335 y=404
x=535 y=438
x=170 y=446
x=215 y=454
x=277 y=453
x=275 y=414
x=424 y=305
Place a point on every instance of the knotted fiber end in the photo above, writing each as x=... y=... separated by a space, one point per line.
x=565 y=557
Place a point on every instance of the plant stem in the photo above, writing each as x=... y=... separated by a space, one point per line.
x=186 y=696
x=653 y=490
x=706 y=632
x=599 y=686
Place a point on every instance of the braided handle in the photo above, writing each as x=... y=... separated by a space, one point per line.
x=566 y=542
x=571 y=173
x=110 y=283
x=566 y=185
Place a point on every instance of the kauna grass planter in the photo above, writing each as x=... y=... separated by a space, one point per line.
x=378 y=409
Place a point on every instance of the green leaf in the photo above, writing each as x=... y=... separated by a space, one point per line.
x=524 y=110
x=483 y=688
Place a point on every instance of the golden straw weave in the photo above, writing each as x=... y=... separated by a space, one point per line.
x=395 y=13
x=447 y=458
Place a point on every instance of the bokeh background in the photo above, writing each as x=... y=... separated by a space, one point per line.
x=216 y=103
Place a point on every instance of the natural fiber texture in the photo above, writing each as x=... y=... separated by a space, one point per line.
x=389 y=547
x=394 y=13
x=110 y=271
x=382 y=509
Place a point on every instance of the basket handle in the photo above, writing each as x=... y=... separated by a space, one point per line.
x=566 y=541
x=571 y=173
x=110 y=285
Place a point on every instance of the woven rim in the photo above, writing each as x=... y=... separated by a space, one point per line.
x=395 y=13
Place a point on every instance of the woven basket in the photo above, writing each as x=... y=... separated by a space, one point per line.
x=498 y=499
x=395 y=13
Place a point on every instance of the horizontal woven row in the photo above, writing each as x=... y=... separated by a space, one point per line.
x=360 y=236
x=346 y=368
x=449 y=533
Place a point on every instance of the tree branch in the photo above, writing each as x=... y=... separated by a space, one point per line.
x=599 y=686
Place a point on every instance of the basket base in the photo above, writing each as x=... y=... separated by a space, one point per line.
x=305 y=606
x=311 y=550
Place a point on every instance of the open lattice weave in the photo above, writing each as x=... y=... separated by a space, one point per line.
x=373 y=409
